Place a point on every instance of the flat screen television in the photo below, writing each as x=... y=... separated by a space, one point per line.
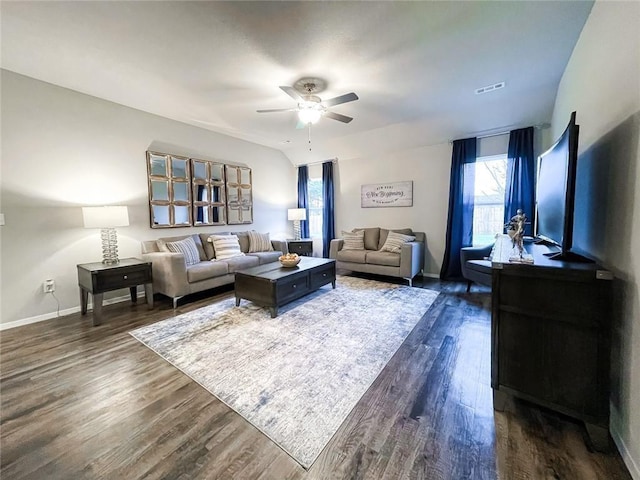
x=555 y=194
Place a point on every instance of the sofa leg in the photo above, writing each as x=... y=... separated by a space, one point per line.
x=175 y=302
x=410 y=280
x=468 y=286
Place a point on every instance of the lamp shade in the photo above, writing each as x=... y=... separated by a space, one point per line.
x=297 y=214
x=105 y=217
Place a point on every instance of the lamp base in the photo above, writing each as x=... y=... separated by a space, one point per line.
x=296 y=230
x=109 y=246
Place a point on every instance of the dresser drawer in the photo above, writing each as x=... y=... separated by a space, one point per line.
x=121 y=277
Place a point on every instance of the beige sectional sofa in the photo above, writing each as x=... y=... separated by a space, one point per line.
x=371 y=259
x=173 y=278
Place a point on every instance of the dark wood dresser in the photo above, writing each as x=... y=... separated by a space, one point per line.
x=550 y=332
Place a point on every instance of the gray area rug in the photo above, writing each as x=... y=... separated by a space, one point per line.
x=295 y=377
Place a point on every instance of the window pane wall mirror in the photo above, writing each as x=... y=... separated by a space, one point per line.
x=239 y=195
x=169 y=190
x=192 y=192
x=208 y=193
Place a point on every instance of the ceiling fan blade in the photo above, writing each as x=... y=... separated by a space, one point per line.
x=292 y=92
x=347 y=97
x=271 y=110
x=337 y=116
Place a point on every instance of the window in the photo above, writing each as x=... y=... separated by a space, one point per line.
x=315 y=207
x=488 y=210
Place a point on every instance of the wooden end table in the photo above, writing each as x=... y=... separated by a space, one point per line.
x=97 y=278
x=303 y=247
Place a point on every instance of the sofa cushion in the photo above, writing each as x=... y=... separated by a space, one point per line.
x=207 y=246
x=384 y=232
x=162 y=244
x=355 y=256
x=245 y=261
x=371 y=237
x=383 y=258
x=259 y=242
x=266 y=257
x=395 y=241
x=353 y=240
x=187 y=247
x=225 y=246
x=243 y=238
x=206 y=270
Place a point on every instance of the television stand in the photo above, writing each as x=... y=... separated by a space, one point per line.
x=550 y=329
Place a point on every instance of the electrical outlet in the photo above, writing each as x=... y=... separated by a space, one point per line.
x=49 y=286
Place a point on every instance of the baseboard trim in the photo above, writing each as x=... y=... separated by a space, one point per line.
x=62 y=313
x=629 y=461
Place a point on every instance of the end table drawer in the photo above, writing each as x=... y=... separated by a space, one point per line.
x=300 y=247
x=121 y=278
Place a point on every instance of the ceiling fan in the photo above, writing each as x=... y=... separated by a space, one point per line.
x=311 y=107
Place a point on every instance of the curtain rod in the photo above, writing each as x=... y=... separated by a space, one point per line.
x=332 y=160
x=539 y=126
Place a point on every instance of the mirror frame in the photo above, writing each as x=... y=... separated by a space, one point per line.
x=209 y=184
x=171 y=180
x=240 y=211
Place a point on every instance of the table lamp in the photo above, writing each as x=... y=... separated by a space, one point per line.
x=297 y=214
x=106 y=219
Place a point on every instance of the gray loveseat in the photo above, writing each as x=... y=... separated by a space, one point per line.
x=406 y=264
x=173 y=278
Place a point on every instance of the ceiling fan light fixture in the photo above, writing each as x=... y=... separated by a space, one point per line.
x=309 y=114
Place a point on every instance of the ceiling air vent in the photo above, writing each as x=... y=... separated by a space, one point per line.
x=489 y=88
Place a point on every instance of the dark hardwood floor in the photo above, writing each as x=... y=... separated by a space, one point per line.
x=84 y=402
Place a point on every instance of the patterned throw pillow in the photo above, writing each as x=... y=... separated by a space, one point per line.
x=395 y=241
x=225 y=246
x=188 y=248
x=259 y=242
x=353 y=240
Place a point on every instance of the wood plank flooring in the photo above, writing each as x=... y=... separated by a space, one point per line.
x=84 y=402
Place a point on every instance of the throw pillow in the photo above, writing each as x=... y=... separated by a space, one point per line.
x=162 y=244
x=225 y=246
x=353 y=240
x=384 y=232
x=259 y=242
x=394 y=242
x=188 y=248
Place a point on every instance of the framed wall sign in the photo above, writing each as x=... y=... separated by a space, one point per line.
x=396 y=194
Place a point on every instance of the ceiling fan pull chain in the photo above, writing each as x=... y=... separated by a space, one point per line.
x=309 y=137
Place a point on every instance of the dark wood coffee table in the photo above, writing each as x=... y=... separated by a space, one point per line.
x=273 y=285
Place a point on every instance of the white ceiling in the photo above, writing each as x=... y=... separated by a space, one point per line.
x=414 y=65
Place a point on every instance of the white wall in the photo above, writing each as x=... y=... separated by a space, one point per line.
x=427 y=167
x=62 y=150
x=602 y=83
